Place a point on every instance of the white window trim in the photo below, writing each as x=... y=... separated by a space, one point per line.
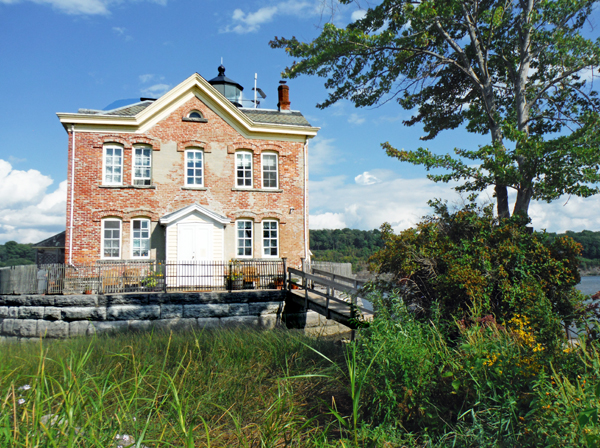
x=262 y=162
x=120 y=221
x=104 y=148
x=185 y=167
x=149 y=238
x=133 y=178
x=237 y=240
x=262 y=238
x=251 y=170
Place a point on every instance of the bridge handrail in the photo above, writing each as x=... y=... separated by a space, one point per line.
x=324 y=281
x=355 y=282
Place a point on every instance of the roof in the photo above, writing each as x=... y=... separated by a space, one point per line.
x=54 y=241
x=131 y=110
x=173 y=216
x=142 y=116
x=275 y=117
x=268 y=116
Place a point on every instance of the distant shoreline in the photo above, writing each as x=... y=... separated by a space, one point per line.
x=589 y=272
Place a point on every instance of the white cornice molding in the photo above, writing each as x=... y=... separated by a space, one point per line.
x=185 y=211
x=195 y=85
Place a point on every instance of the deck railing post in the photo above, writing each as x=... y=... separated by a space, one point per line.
x=229 y=278
x=284 y=274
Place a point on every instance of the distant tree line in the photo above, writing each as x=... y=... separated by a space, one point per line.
x=590 y=243
x=345 y=246
x=356 y=246
x=15 y=254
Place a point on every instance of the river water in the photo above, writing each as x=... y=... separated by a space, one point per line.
x=589 y=285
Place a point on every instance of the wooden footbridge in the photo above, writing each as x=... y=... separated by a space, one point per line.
x=317 y=291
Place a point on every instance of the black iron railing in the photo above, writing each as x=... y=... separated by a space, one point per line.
x=109 y=277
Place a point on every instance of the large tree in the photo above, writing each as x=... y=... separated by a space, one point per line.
x=518 y=71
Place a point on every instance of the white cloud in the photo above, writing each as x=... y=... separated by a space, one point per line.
x=120 y=31
x=79 y=7
x=23 y=187
x=355 y=119
x=322 y=154
x=327 y=221
x=156 y=90
x=572 y=213
x=248 y=22
x=366 y=178
x=357 y=15
x=149 y=77
x=28 y=213
x=403 y=203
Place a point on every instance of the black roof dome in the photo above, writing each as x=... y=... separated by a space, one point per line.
x=228 y=87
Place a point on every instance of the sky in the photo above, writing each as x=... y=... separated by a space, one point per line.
x=62 y=55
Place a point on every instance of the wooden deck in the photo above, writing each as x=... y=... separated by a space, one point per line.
x=325 y=303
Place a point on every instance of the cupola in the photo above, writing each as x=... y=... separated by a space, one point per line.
x=228 y=87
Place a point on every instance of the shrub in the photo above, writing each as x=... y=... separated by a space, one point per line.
x=468 y=264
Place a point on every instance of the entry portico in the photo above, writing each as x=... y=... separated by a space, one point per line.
x=195 y=233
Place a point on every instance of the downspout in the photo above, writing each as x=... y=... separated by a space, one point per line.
x=306 y=248
x=72 y=195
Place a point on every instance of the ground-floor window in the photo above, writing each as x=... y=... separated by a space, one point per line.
x=244 y=238
x=140 y=238
x=270 y=239
x=111 y=238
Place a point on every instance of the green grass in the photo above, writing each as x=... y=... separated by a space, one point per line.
x=225 y=388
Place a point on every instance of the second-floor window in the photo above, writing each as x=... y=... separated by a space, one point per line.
x=113 y=165
x=142 y=166
x=243 y=169
x=140 y=238
x=194 y=168
x=269 y=170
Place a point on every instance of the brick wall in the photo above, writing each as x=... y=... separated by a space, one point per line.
x=169 y=138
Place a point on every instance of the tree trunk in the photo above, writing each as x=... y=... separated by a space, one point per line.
x=502 y=201
x=523 y=199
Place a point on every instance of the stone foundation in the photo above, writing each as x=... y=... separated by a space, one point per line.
x=29 y=317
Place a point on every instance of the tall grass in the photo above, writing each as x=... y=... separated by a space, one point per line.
x=211 y=389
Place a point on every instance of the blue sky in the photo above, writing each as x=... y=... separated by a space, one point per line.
x=62 y=55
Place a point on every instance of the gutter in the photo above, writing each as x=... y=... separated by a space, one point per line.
x=72 y=195
x=306 y=239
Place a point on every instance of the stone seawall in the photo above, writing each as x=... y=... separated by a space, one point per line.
x=24 y=317
x=32 y=316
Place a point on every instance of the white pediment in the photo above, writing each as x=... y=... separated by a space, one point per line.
x=196 y=86
x=194 y=210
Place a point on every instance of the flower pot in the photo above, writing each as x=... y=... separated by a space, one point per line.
x=236 y=283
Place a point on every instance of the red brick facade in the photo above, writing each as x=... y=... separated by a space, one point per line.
x=169 y=138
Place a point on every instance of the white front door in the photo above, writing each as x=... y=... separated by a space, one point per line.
x=194 y=242
x=194 y=254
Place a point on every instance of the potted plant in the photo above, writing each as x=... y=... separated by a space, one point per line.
x=235 y=277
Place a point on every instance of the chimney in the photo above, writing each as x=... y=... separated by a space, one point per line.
x=284 y=97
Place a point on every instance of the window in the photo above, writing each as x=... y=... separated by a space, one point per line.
x=270 y=239
x=193 y=168
x=269 y=170
x=244 y=238
x=243 y=166
x=140 y=238
x=195 y=116
x=113 y=165
x=142 y=166
x=111 y=238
